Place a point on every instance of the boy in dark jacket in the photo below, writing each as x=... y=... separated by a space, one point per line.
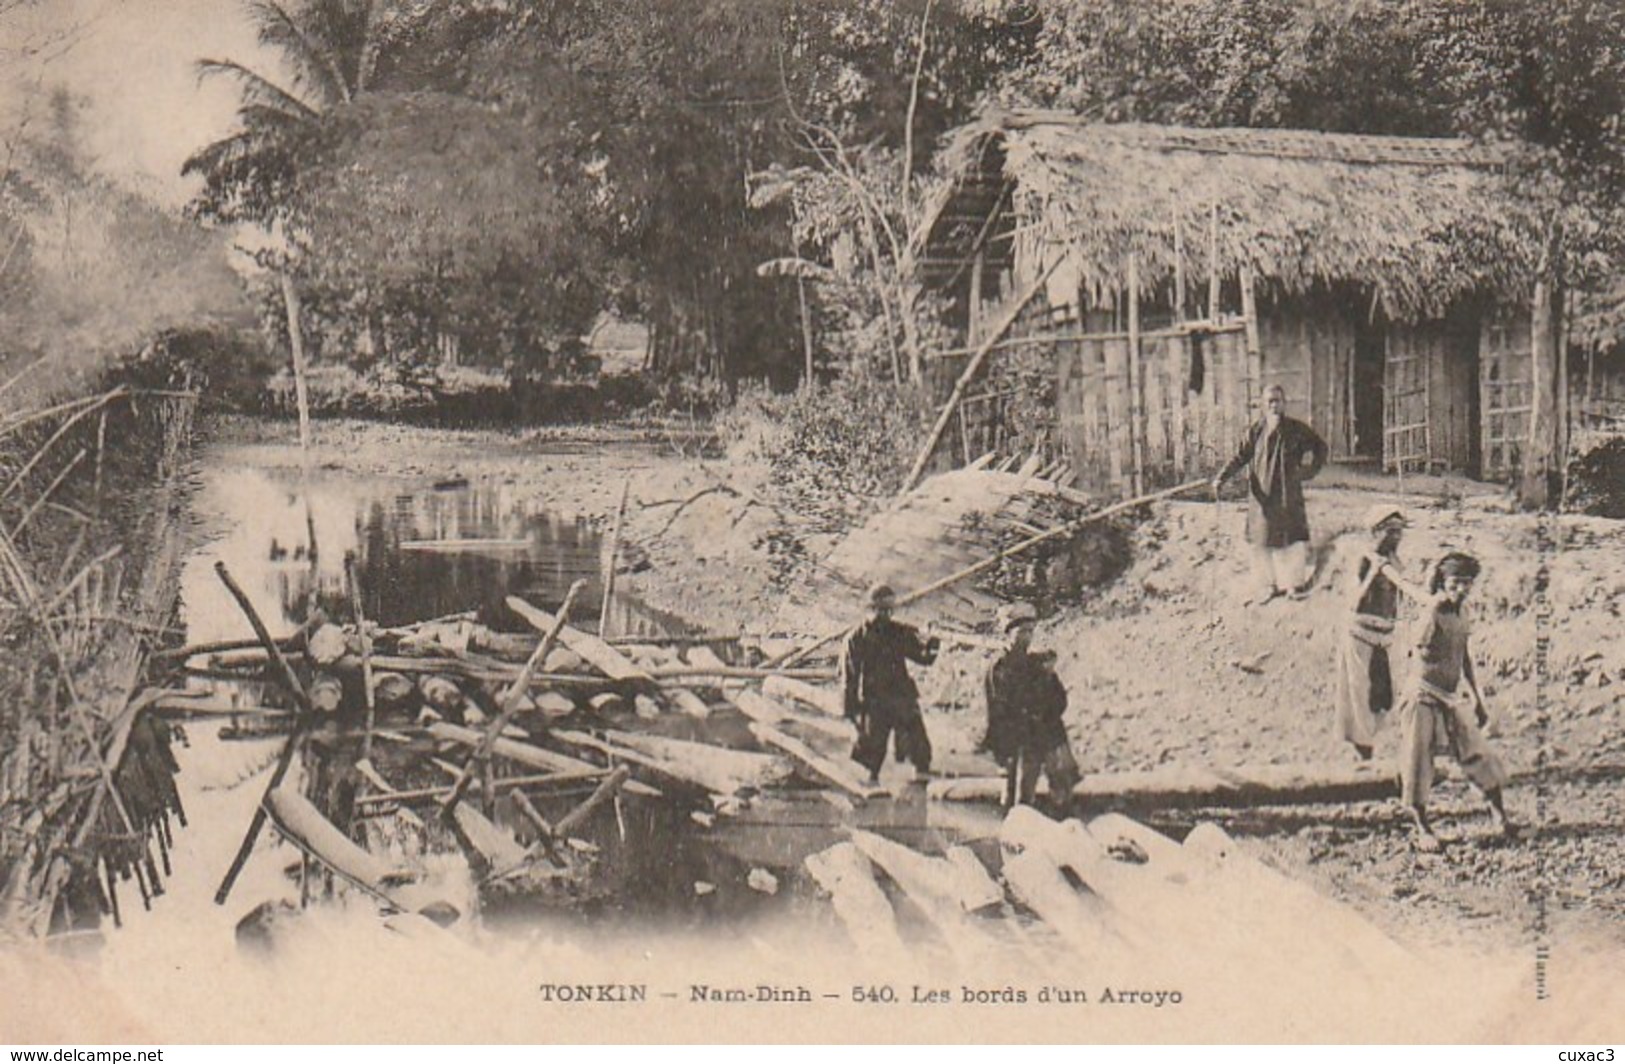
x=1026 y=711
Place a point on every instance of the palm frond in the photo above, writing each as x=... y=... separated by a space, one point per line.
x=258 y=90
x=314 y=65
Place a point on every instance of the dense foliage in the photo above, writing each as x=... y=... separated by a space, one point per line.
x=748 y=176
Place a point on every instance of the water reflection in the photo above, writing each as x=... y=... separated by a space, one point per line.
x=420 y=553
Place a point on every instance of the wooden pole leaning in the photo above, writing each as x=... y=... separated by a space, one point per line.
x=510 y=704
x=989 y=341
x=1009 y=552
x=284 y=675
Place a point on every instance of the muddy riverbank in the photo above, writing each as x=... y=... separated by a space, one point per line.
x=1167 y=666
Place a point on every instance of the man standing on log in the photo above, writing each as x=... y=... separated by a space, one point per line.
x=1026 y=711
x=878 y=694
x=1273 y=452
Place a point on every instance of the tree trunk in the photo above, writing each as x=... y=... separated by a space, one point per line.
x=377 y=340
x=1543 y=456
x=296 y=341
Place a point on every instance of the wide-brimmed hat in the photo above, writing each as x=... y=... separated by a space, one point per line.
x=882 y=595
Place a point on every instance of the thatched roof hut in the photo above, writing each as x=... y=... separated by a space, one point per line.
x=1385 y=282
x=1421 y=222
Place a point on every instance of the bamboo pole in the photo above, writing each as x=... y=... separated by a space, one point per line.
x=1179 y=270
x=1213 y=262
x=806 y=332
x=284 y=674
x=510 y=705
x=367 y=692
x=296 y=343
x=1002 y=326
x=614 y=550
x=987 y=563
x=1183 y=329
x=1136 y=381
x=1255 y=349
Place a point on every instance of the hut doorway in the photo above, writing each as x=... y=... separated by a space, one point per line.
x=1366 y=393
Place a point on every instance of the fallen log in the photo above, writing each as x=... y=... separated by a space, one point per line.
x=494 y=845
x=424 y=794
x=1036 y=881
x=787 y=687
x=820 y=766
x=1281 y=901
x=688 y=702
x=932 y=885
x=1112 y=908
x=181 y=705
x=938 y=881
x=738 y=672
x=767 y=711
x=1191 y=787
x=487 y=673
x=528 y=754
x=603 y=793
x=847 y=877
x=715 y=768
x=597 y=653
x=303 y=824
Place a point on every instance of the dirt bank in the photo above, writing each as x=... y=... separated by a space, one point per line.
x=1171 y=667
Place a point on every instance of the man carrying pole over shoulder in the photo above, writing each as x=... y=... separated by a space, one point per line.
x=878 y=694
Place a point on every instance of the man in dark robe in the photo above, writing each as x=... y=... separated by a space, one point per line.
x=1026 y=711
x=1273 y=451
x=878 y=694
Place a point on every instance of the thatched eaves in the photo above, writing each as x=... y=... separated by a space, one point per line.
x=1421 y=222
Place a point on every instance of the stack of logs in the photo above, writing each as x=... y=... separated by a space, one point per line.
x=501 y=744
x=1111 y=890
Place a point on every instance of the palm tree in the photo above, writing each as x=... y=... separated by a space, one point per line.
x=331 y=49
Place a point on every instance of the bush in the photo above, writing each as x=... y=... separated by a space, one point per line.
x=831 y=452
x=1597 y=479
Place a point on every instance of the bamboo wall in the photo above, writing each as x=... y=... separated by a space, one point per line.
x=1309 y=350
x=1432 y=417
x=1455 y=392
x=1195 y=394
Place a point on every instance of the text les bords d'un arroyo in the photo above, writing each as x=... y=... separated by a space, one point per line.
x=863 y=994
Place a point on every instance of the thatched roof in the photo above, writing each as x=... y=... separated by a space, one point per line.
x=1420 y=221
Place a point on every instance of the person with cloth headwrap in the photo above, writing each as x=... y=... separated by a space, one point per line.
x=1026 y=711
x=878 y=695
x=1273 y=451
x=1365 y=680
x=1431 y=718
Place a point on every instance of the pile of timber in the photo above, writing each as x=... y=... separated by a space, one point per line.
x=1108 y=890
x=516 y=749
